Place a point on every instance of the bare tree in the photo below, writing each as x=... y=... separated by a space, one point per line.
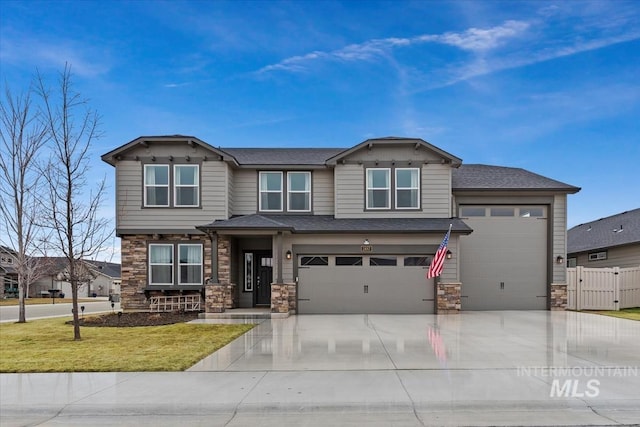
x=72 y=214
x=23 y=136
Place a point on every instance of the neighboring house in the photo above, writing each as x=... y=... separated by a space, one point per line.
x=100 y=278
x=8 y=273
x=613 y=241
x=331 y=230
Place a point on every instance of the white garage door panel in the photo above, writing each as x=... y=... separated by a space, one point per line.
x=364 y=289
x=503 y=264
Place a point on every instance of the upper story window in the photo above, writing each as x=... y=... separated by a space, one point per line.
x=271 y=191
x=187 y=185
x=156 y=185
x=158 y=181
x=400 y=189
x=299 y=191
x=273 y=187
x=378 y=188
x=407 y=188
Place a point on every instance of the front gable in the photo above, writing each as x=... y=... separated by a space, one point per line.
x=393 y=177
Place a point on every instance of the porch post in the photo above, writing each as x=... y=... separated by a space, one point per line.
x=279 y=256
x=214 y=257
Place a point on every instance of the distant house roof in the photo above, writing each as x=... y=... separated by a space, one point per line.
x=615 y=230
x=107 y=268
x=330 y=224
x=486 y=177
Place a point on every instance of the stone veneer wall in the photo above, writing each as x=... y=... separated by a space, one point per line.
x=222 y=295
x=283 y=298
x=134 y=266
x=448 y=298
x=558 y=299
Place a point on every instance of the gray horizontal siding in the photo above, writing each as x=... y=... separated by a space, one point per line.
x=623 y=257
x=350 y=189
x=559 y=238
x=129 y=200
x=245 y=198
x=322 y=194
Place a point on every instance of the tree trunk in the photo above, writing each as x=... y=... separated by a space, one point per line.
x=22 y=312
x=76 y=318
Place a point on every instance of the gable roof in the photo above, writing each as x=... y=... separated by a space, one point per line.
x=114 y=155
x=486 y=177
x=455 y=161
x=330 y=224
x=107 y=268
x=616 y=230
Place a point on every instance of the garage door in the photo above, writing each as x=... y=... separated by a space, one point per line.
x=368 y=284
x=504 y=260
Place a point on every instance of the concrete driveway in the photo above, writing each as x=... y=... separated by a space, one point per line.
x=476 y=368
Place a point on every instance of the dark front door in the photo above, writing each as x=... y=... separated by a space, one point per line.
x=263 y=278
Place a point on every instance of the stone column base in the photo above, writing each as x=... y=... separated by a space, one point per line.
x=219 y=297
x=283 y=298
x=448 y=297
x=558 y=299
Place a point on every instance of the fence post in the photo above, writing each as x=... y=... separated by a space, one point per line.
x=616 y=288
x=579 y=288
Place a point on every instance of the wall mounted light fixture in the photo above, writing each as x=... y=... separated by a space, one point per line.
x=559 y=259
x=449 y=254
x=288 y=255
x=366 y=242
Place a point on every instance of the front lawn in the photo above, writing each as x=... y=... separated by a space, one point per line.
x=47 y=346
x=625 y=313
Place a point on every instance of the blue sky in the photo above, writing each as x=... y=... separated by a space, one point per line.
x=549 y=86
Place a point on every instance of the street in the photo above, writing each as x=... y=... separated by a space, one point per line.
x=39 y=311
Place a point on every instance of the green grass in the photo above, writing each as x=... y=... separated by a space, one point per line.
x=36 y=301
x=47 y=346
x=625 y=313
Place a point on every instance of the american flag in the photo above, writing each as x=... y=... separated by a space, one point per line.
x=435 y=269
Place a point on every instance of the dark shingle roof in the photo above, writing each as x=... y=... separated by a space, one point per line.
x=615 y=230
x=107 y=268
x=486 y=177
x=282 y=156
x=330 y=224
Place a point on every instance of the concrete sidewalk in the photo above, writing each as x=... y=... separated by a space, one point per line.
x=489 y=368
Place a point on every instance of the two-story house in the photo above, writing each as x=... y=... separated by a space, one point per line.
x=329 y=230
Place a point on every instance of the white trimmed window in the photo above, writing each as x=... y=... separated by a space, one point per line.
x=299 y=191
x=407 y=188
x=190 y=264
x=156 y=185
x=186 y=185
x=270 y=192
x=378 y=188
x=160 y=264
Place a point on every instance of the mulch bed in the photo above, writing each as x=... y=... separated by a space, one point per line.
x=137 y=319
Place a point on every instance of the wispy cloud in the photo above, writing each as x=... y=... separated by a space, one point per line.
x=473 y=39
x=23 y=50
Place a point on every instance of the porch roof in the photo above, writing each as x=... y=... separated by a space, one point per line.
x=329 y=224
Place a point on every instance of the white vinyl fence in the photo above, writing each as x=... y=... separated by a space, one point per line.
x=603 y=288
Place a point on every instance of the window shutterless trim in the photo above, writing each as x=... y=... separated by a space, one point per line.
x=388 y=189
x=181 y=264
x=176 y=186
x=171 y=265
x=261 y=191
x=307 y=192
x=145 y=186
x=418 y=188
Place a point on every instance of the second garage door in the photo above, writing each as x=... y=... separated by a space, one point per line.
x=504 y=260
x=367 y=284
